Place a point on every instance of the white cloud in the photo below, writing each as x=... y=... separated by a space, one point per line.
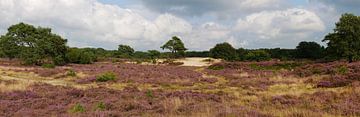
x=91 y=23
x=276 y=28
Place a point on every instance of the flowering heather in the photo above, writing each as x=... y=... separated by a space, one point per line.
x=253 y=89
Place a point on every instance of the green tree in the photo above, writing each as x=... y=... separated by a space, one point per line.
x=125 y=51
x=258 y=55
x=154 y=55
x=176 y=46
x=9 y=48
x=309 y=50
x=344 y=42
x=223 y=51
x=33 y=45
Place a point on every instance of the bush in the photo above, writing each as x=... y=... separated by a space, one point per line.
x=216 y=67
x=77 y=108
x=100 y=106
x=108 y=76
x=71 y=73
x=258 y=55
x=149 y=94
x=223 y=51
x=48 y=66
x=80 y=56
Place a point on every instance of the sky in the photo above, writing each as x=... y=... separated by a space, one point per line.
x=201 y=24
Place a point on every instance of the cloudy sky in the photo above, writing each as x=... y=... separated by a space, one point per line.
x=147 y=24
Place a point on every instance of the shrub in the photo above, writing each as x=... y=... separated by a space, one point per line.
x=71 y=73
x=149 y=94
x=80 y=56
x=77 y=108
x=342 y=70
x=108 y=76
x=223 y=51
x=258 y=55
x=216 y=67
x=48 y=66
x=100 y=106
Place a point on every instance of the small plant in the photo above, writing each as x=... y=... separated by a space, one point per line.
x=48 y=66
x=100 y=106
x=149 y=94
x=78 y=108
x=342 y=70
x=71 y=73
x=108 y=76
x=208 y=60
x=216 y=67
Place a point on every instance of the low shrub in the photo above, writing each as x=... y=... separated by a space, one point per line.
x=100 y=106
x=48 y=66
x=108 y=76
x=149 y=94
x=78 y=108
x=216 y=67
x=71 y=73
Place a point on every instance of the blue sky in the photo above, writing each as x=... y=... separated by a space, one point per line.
x=147 y=24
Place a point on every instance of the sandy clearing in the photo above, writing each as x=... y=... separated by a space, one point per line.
x=197 y=61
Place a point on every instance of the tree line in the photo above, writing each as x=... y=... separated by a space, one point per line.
x=38 y=45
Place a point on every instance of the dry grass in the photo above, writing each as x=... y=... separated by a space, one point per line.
x=14 y=86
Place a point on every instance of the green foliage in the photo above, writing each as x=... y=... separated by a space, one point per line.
x=258 y=55
x=309 y=50
x=282 y=54
x=71 y=73
x=342 y=70
x=149 y=94
x=344 y=42
x=125 y=51
x=33 y=45
x=197 y=54
x=78 y=108
x=216 y=67
x=223 y=51
x=48 y=66
x=176 y=46
x=100 y=106
x=154 y=55
x=80 y=56
x=108 y=76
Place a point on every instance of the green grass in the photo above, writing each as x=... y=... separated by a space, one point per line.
x=108 y=76
x=78 y=108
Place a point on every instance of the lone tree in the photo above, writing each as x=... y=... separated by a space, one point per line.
x=309 y=50
x=176 y=46
x=223 y=51
x=33 y=45
x=344 y=42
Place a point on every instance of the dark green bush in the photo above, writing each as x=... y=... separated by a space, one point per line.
x=80 y=56
x=108 y=76
x=223 y=51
